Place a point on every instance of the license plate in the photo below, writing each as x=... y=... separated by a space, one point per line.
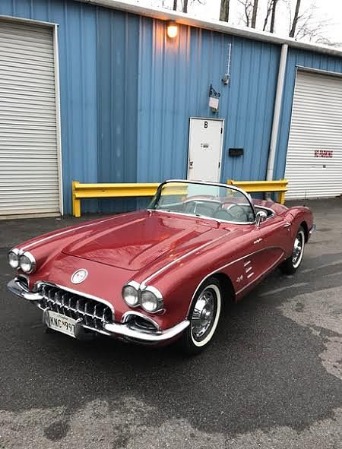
x=61 y=323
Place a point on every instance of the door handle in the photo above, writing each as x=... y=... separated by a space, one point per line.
x=191 y=164
x=287 y=225
x=257 y=241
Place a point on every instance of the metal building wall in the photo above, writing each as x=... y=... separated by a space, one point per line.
x=98 y=59
x=174 y=85
x=309 y=60
x=127 y=93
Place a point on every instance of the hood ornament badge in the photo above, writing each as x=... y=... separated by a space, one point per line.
x=79 y=276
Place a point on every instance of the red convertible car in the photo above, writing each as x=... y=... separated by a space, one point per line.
x=164 y=273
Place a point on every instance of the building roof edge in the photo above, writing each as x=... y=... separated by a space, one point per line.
x=212 y=25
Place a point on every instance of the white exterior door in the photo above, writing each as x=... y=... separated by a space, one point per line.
x=29 y=162
x=205 y=149
x=314 y=155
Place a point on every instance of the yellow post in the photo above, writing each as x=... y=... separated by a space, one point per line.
x=281 y=197
x=76 y=202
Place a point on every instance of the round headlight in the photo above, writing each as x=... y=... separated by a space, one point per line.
x=13 y=258
x=151 y=301
x=27 y=263
x=130 y=295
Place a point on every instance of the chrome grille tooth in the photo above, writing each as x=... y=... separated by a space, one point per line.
x=62 y=304
x=95 y=316
x=86 y=313
x=57 y=301
x=77 y=308
x=103 y=318
x=67 y=305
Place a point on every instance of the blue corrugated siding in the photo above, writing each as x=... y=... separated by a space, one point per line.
x=98 y=55
x=127 y=93
x=297 y=58
x=117 y=83
x=174 y=85
x=250 y=108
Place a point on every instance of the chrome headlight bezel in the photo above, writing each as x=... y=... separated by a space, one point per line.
x=148 y=298
x=134 y=289
x=15 y=253
x=27 y=262
x=151 y=300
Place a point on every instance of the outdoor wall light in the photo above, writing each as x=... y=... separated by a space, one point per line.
x=214 y=99
x=172 y=30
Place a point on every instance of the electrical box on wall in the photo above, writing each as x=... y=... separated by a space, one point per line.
x=235 y=152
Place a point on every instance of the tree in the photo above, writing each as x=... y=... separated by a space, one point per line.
x=250 y=12
x=295 y=19
x=306 y=25
x=224 y=10
x=254 y=13
x=185 y=4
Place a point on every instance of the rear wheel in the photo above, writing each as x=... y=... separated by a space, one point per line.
x=291 y=264
x=204 y=316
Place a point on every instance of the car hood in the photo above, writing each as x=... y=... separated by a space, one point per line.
x=142 y=239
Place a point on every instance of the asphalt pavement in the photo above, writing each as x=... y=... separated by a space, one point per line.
x=271 y=379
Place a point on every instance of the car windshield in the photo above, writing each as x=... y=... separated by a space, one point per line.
x=215 y=201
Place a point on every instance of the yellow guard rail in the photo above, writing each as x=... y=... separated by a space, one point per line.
x=102 y=190
x=279 y=186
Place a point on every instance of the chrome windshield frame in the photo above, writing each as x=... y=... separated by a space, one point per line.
x=157 y=195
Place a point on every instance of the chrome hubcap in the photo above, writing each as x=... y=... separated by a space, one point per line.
x=297 y=250
x=203 y=314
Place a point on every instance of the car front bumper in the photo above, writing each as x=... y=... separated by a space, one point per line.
x=123 y=330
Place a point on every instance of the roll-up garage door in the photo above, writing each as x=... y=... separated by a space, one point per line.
x=29 y=176
x=314 y=156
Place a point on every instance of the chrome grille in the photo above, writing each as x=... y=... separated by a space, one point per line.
x=94 y=314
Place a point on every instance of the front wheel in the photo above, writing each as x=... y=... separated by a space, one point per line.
x=290 y=265
x=204 y=316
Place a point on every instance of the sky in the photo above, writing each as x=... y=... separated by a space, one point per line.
x=327 y=13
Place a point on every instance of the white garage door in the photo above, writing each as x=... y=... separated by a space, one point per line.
x=314 y=156
x=29 y=178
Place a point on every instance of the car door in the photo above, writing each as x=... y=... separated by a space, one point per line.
x=276 y=240
x=246 y=250
x=264 y=247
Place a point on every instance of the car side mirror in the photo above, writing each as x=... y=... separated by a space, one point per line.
x=260 y=217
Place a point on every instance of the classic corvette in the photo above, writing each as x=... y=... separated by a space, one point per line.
x=161 y=274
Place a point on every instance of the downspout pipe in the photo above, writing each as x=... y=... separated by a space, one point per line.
x=276 y=113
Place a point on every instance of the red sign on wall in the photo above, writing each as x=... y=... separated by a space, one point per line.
x=323 y=153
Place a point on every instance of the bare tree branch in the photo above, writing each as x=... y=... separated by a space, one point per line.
x=254 y=13
x=224 y=10
x=273 y=16
x=295 y=19
x=268 y=12
x=248 y=9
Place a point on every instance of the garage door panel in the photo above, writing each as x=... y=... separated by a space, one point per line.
x=29 y=177
x=314 y=156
